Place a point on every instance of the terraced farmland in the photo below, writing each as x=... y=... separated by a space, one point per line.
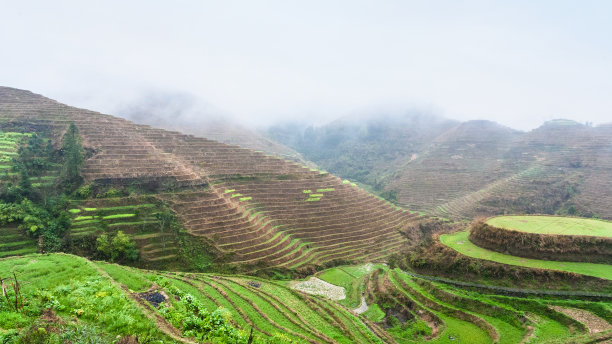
x=9 y=145
x=135 y=216
x=267 y=220
x=481 y=168
x=460 y=242
x=407 y=309
x=554 y=225
x=267 y=307
x=14 y=242
x=417 y=310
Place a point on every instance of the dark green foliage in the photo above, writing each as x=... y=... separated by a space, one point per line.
x=83 y=192
x=360 y=148
x=390 y=195
x=73 y=156
x=112 y=192
x=40 y=210
x=118 y=247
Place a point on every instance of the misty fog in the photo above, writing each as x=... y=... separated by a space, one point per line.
x=264 y=63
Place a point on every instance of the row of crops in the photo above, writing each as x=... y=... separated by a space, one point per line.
x=269 y=308
x=415 y=310
x=136 y=216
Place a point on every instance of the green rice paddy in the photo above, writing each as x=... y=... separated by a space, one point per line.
x=554 y=225
x=460 y=243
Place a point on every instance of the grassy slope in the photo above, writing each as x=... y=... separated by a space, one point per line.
x=74 y=285
x=271 y=308
x=350 y=278
x=71 y=283
x=459 y=242
x=78 y=293
x=554 y=225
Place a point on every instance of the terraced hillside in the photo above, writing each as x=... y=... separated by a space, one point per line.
x=69 y=298
x=421 y=309
x=75 y=299
x=457 y=164
x=569 y=244
x=187 y=114
x=471 y=168
x=258 y=209
x=562 y=166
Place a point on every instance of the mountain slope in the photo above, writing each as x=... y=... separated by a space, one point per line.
x=253 y=207
x=463 y=170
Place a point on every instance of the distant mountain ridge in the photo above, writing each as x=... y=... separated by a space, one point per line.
x=473 y=168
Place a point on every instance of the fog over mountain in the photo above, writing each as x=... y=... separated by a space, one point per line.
x=517 y=63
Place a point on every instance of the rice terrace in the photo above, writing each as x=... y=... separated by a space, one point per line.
x=279 y=172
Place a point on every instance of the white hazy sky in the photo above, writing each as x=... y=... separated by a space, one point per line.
x=517 y=62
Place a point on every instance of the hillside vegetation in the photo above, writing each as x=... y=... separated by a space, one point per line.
x=64 y=298
x=463 y=170
x=554 y=225
x=232 y=205
x=460 y=242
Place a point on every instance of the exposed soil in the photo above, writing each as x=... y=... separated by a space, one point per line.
x=317 y=286
x=402 y=316
x=128 y=340
x=48 y=316
x=594 y=323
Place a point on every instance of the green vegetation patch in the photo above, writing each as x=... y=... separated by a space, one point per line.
x=554 y=225
x=86 y=217
x=315 y=195
x=460 y=243
x=374 y=313
x=326 y=190
x=126 y=276
x=242 y=199
x=74 y=290
x=74 y=211
x=313 y=199
x=350 y=278
x=307 y=191
x=118 y=216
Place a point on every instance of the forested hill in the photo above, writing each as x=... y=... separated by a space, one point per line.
x=362 y=148
x=466 y=169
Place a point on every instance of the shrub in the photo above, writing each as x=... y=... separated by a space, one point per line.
x=112 y=192
x=120 y=247
x=84 y=192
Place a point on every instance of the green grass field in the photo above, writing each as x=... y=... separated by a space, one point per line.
x=90 y=308
x=554 y=225
x=350 y=278
x=460 y=243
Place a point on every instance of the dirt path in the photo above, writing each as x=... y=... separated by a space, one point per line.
x=594 y=323
x=362 y=308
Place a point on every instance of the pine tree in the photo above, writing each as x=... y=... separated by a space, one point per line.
x=72 y=151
